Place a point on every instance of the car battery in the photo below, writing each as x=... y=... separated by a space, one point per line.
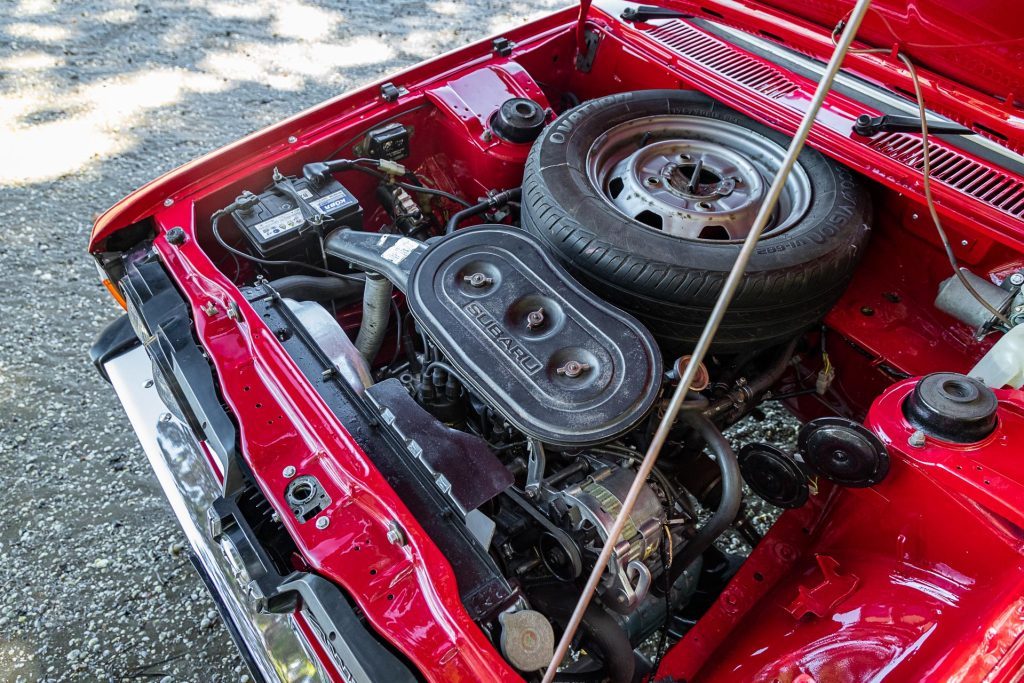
x=275 y=228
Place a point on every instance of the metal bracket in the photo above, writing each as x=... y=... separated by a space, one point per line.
x=535 y=467
x=587 y=52
x=502 y=46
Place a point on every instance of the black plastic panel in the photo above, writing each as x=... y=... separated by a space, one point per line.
x=483 y=589
x=474 y=292
x=462 y=464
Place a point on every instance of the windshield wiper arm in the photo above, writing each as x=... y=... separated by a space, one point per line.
x=868 y=125
x=649 y=12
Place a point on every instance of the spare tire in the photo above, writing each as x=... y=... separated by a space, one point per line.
x=648 y=195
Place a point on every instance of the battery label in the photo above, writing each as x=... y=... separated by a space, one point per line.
x=293 y=219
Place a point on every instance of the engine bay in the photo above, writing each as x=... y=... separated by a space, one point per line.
x=506 y=272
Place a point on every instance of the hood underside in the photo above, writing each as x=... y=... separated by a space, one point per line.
x=977 y=43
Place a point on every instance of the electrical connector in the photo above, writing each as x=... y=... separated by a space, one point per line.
x=392 y=167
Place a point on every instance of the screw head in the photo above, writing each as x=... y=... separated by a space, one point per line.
x=168 y=202
x=147 y=384
x=322 y=522
x=292 y=139
x=288 y=472
x=165 y=417
x=1017 y=279
x=964 y=243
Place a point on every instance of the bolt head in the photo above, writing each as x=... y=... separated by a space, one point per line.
x=147 y=384
x=175 y=236
x=1017 y=279
x=322 y=522
x=917 y=439
x=395 y=534
x=165 y=417
x=289 y=472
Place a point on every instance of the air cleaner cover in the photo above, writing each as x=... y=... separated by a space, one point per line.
x=562 y=365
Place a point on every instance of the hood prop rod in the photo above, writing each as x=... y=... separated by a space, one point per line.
x=707 y=335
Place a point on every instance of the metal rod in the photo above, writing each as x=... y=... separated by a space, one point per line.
x=710 y=329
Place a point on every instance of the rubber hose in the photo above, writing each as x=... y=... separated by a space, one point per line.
x=317 y=288
x=376 y=315
x=756 y=386
x=728 y=504
x=492 y=202
x=600 y=627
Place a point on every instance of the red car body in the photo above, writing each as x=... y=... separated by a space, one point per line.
x=918 y=578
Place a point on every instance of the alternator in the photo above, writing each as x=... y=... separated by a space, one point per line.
x=596 y=502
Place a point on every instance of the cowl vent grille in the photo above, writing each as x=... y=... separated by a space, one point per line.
x=724 y=59
x=995 y=188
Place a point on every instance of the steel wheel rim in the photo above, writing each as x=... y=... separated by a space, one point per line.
x=693 y=177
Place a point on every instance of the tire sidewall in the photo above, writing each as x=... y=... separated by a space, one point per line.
x=836 y=211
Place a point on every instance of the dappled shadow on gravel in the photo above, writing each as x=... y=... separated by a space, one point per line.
x=96 y=98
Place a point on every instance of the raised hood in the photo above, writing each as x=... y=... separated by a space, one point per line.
x=976 y=43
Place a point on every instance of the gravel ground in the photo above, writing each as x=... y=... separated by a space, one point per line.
x=96 y=98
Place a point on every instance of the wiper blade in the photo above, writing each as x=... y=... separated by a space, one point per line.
x=868 y=125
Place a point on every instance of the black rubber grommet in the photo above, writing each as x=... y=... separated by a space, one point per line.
x=952 y=407
x=518 y=120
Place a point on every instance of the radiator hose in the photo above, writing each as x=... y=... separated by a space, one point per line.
x=376 y=314
x=729 y=502
x=600 y=627
x=320 y=289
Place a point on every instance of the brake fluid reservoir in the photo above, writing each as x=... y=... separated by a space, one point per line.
x=1003 y=365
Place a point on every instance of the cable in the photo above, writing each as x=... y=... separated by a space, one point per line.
x=408 y=186
x=926 y=180
x=398 y=330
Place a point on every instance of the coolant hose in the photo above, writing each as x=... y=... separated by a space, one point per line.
x=376 y=314
x=601 y=628
x=756 y=386
x=316 y=288
x=729 y=502
x=492 y=202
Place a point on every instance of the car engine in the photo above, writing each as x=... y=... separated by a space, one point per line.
x=520 y=347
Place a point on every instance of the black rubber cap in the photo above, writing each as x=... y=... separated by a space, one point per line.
x=773 y=475
x=843 y=451
x=952 y=407
x=518 y=120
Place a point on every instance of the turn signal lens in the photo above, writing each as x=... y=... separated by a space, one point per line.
x=111 y=287
x=116 y=293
